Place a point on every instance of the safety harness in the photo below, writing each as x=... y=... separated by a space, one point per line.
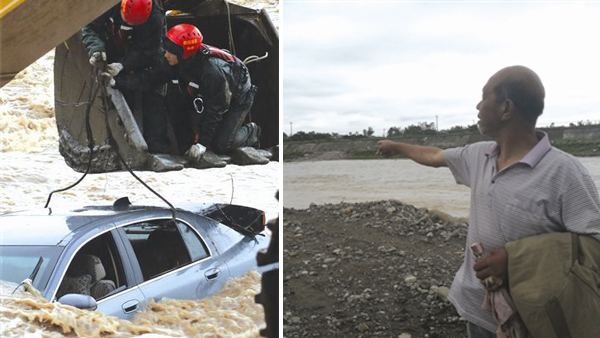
x=192 y=88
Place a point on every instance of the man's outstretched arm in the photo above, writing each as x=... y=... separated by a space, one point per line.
x=430 y=156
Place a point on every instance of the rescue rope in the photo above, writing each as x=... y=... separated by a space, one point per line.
x=254 y=58
x=100 y=84
x=88 y=129
x=231 y=220
x=232 y=188
x=113 y=143
x=231 y=44
x=249 y=59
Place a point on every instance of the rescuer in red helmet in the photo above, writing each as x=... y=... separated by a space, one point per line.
x=129 y=34
x=128 y=37
x=218 y=97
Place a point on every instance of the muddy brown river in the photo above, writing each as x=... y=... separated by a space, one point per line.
x=374 y=180
x=31 y=167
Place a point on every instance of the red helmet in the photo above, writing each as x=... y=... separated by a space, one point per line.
x=187 y=38
x=136 y=12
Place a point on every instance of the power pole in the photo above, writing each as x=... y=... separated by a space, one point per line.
x=436 y=124
x=383 y=135
x=290 y=128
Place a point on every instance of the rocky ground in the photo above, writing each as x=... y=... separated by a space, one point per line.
x=379 y=269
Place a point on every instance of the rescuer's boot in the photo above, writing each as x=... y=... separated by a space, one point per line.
x=247 y=155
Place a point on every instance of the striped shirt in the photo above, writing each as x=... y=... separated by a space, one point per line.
x=547 y=191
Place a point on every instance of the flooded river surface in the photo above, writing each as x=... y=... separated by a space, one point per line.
x=31 y=167
x=373 y=180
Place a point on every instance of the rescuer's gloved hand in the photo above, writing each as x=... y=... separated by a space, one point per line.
x=97 y=58
x=106 y=79
x=114 y=68
x=195 y=152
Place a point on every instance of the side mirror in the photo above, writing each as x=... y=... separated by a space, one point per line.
x=79 y=301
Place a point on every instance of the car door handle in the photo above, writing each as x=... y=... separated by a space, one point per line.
x=131 y=306
x=212 y=274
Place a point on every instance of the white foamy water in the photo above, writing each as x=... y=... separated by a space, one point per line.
x=26 y=179
x=373 y=180
x=31 y=167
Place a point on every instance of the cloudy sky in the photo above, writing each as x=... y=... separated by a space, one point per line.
x=348 y=65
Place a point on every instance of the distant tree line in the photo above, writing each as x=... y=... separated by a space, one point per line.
x=586 y=123
x=414 y=130
x=314 y=136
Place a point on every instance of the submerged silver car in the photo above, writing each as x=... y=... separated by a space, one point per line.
x=117 y=257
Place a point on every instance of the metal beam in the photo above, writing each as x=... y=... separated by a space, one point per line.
x=33 y=27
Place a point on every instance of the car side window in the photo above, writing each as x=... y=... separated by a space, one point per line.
x=196 y=246
x=95 y=270
x=161 y=246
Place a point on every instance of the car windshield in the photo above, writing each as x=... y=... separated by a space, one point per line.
x=19 y=262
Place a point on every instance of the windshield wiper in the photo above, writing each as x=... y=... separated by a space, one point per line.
x=31 y=277
x=36 y=269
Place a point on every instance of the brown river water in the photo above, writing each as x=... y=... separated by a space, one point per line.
x=31 y=167
x=373 y=180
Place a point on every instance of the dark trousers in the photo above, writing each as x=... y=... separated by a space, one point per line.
x=230 y=133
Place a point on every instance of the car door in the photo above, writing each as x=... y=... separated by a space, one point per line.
x=98 y=267
x=127 y=301
x=174 y=260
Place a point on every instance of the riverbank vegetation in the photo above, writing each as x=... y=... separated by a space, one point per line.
x=585 y=145
x=421 y=129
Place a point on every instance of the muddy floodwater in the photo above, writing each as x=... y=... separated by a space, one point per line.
x=363 y=181
x=31 y=167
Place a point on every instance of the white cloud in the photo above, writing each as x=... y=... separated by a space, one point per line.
x=350 y=65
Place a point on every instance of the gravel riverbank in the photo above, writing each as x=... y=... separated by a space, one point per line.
x=377 y=269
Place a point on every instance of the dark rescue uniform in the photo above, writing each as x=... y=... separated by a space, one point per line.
x=223 y=84
x=139 y=49
x=135 y=47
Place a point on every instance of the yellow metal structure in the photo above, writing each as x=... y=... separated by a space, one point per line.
x=30 y=28
x=8 y=5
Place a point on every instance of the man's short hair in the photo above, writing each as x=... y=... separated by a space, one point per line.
x=528 y=99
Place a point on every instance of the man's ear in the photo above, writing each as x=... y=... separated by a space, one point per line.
x=508 y=109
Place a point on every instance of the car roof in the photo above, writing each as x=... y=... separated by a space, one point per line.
x=25 y=228
x=50 y=226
